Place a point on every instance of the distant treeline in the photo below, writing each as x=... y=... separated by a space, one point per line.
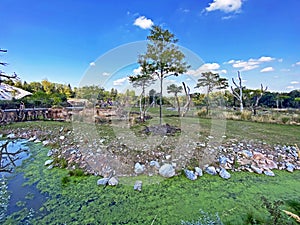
x=48 y=94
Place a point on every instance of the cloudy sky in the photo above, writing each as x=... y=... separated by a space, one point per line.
x=69 y=41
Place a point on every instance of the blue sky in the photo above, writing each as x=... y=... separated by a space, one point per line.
x=67 y=41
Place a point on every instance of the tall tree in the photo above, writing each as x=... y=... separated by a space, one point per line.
x=238 y=92
x=142 y=80
x=211 y=81
x=163 y=57
x=173 y=88
x=258 y=94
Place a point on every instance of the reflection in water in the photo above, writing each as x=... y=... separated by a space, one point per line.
x=14 y=195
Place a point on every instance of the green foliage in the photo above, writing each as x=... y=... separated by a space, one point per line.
x=274 y=209
x=76 y=173
x=285 y=119
x=205 y=219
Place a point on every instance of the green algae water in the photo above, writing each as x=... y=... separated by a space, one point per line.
x=78 y=199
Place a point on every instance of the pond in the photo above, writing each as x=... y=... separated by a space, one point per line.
x=15 y=195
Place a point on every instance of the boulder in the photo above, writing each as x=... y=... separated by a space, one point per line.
x=211 y=170
x=11 y=136
x=198 y=172
x=269 y=173
x=48 y=162
x=139 y=168
x=167 y=170
x=256 y=169
x=290 y=167
x=102 y=181
x=224 y=174
x=155 y=164
x=113 y=181
x=247 y=153
x=190 y=175
x=138 y=185
x=222 y=159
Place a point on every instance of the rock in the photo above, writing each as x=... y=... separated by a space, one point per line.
x=11 y=136
x=48 y=162
x=50 y=153
x=256 y=169
x=50 y=167
x=190 y=175
x=224 y=174
x=211 y=170
x=258 y=156
x=155 y=163
x=271 y=164
x=247 y=154
x=222 y=159
x=138 y=185
x=269 y=173
x=244 y=162
x=198 y=172
x=290 y=167
x=37 y=141
x=46 y=142
x=62 y=138
x=139 y=168
x=32 y=138
x=113 y=181
x=168 y=157
x=102 y=181
x=167 y=171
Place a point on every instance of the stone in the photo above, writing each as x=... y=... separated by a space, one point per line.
x=290 y=167
x=247 y=154
x=222 y=159
x=50 y=153
x=155 y=164
x=11 y=136
x=48 y=162
x=113 y=181
x=46 y=142
x=269 y=173
x=224 y=174
x=167 y=170
x=190 y=175
x=211 y=170
x=138 y=185
x=168 y=157
x=32 y=138
x=139 y=168
x=258 y=156
x=50 y=167
x=102 y=181
x=256 y=169
x=271 y=164
x=198 y=171
x=62 y=138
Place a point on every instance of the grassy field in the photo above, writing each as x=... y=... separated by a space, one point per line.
x=78 y=200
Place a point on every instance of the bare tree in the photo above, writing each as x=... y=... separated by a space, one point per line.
x=258 y=96
x=186 y=107
x=236 y=94
x=3 y=74
x=173 y=88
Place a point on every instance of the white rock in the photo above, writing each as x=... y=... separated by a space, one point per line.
x=46 y=142
x=62 y=138
x=168 y=157
x=11 y=136
x=102 y=181
x=138 y=185
x=167 y=170
x=113 y=181
x=48 y=162
x=139 y=168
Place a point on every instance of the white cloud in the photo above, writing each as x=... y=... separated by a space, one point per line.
x=295 y=82
x=267 y=69
x=137 y=71
x=207 y=67
x=105 y=74
x=290 y=87
x=250 y=64
x=143 y=22
x=92 y=64
x=120 y=81
x=225 y=6
x=296 y=64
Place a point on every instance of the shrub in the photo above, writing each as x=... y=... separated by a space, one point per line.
x=246 y=115
x=202 y=113
x=285 y=119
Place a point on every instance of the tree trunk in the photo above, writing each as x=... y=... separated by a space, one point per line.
x=178 y=104
x=160 y=99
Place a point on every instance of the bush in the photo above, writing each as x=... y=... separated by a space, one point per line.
x=285 y=119
x=202 y=113
x=246 y=115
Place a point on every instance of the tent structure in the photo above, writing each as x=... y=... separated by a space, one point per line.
x=8 y=92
